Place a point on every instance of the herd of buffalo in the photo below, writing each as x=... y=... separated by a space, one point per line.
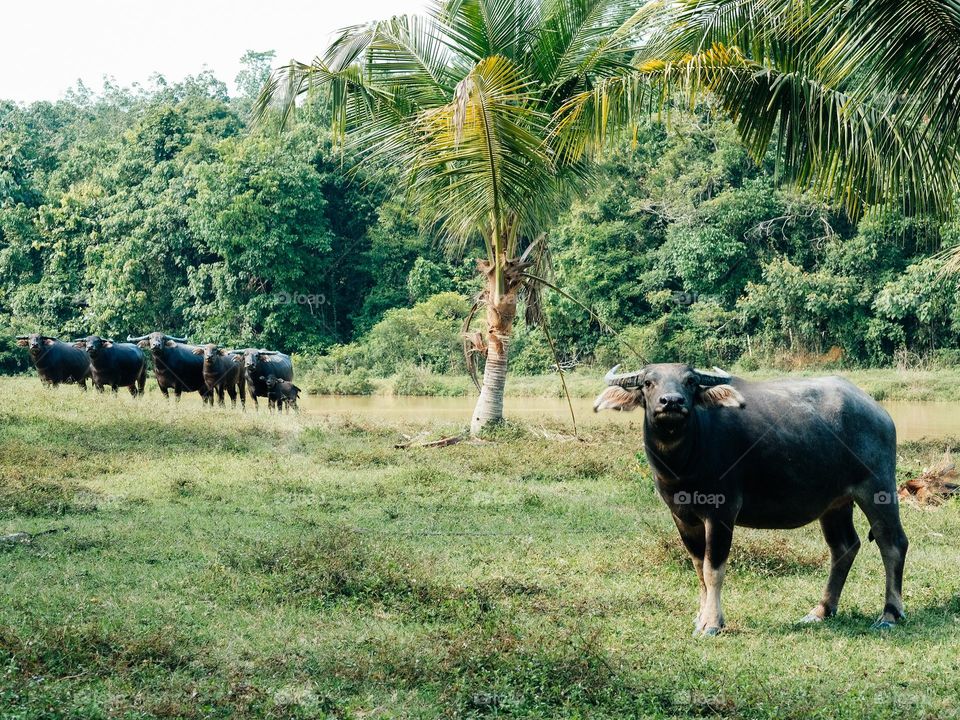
x=725 y=452
x=207 y=369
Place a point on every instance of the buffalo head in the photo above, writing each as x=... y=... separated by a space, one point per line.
x=667 y=392
x=156 y=341
x=35 y=342
x=93 y=344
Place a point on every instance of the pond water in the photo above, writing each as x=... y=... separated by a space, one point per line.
x=914 y=420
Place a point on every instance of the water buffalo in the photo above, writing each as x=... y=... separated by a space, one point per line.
x=56 y=361
x=282 y=393
x=223 y=371
x=115 y=364
x=259 y=364
x=174 y=364
x=777 y=454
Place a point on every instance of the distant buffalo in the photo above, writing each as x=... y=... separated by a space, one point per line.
x=282 y=393
x=56 y=362
x=175 y=365
x=115 y=364
x=223 y=372
x=259 y=364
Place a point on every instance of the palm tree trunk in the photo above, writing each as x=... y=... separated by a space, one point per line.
x=501 y=310
x=489 y=410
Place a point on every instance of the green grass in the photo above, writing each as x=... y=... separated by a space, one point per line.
x=213 y=564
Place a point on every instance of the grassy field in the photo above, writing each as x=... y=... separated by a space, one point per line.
x=213 y=564
x=882 y=384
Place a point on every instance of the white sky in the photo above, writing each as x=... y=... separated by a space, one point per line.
x=47 y=45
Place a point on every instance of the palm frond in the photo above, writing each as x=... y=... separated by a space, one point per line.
x=481 y=162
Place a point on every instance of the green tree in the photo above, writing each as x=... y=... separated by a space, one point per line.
x=463 y=102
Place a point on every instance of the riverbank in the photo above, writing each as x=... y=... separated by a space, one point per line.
x=212 y=564
x=882 y=384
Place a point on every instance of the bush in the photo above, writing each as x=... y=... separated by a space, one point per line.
x=13 y=359
x=413 y=380
x=530 y=352
x=944 y=358
x=356 y=382
x=417 y=381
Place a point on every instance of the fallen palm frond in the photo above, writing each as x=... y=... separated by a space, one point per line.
x=935 y=485
x=442 y=442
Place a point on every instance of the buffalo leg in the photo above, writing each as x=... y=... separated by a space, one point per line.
x=114 y=388
x=694 y=540
x=719 y=536
x=141 y=382
x=177 y=392
x=883 y=513
x=232 y=392
x=844 y=543
x=220 y=397
x=166 y=392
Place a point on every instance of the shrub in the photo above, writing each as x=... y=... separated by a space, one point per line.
x=418 y=381
x=356 y=382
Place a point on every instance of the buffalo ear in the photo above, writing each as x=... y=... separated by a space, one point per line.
x=296 y=388
x=720 y=396
x=108 y=343
x=23 y=343
x=80 y=344
x=143 y=343
x=48 y=341
x=198 y=351
x=170 y=343
x=618 y=398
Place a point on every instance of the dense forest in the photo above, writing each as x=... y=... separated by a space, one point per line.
x=133 y=209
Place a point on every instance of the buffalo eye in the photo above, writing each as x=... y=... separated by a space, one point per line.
x=690 y=381
x=648 y=383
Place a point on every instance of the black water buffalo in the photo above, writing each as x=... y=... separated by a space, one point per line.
x=282 y=393
x=115 y=364
x=174 y=364
x=259 y=364
x=778 y=454
x=223 y=371
x=56 y=361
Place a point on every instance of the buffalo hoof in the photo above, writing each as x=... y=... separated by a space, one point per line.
x=810 y=618
x=883 y=625
x=711 y=631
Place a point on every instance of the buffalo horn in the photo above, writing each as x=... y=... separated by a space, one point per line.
x=131 y=338
x=714 y=377
x=175 y=339
x=630 y=379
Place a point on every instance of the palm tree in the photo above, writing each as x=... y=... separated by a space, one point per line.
x=463 y=102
